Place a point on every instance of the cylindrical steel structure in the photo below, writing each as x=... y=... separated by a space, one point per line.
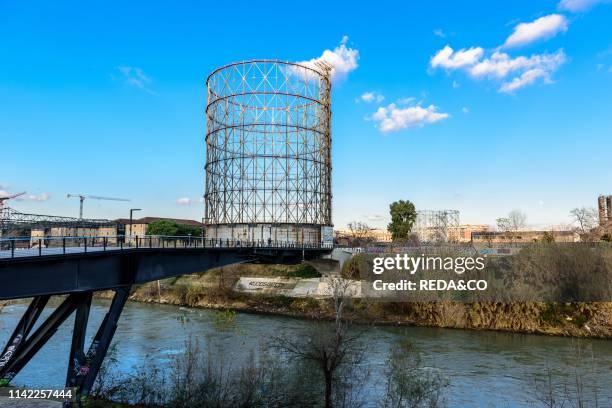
x=268 y=141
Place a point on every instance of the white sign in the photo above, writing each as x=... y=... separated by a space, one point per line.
x=327 y=235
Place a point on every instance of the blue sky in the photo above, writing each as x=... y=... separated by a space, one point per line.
x=486 y=108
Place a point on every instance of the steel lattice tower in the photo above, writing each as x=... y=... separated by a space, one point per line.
x=268 y=158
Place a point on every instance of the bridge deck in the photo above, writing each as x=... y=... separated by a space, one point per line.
x=63 y=265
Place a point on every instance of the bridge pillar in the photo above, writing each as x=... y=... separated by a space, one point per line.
x=86 y=374
x=76 y=358
x=82 y=368
x=21 y=332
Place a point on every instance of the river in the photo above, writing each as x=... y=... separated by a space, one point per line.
x=485 y=368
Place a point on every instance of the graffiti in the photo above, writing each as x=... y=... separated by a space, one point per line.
x=10 y=350
x=268 y=284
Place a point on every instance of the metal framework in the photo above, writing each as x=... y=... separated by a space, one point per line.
x=433 y=226
x=83 y=365
x=10 y=218
x=268 y=140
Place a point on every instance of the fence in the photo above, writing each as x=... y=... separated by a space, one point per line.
x=33 y=246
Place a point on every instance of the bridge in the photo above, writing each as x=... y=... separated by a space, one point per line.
x=77 y=267
x=268 y=179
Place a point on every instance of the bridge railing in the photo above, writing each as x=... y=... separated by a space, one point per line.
x=41 y=246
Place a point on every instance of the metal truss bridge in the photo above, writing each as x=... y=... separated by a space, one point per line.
x=13 y=219
x=77 y=267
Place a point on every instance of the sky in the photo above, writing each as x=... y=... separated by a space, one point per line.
x=477 y=106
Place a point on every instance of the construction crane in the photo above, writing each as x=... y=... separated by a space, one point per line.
x=82 y=198
x=9 y=197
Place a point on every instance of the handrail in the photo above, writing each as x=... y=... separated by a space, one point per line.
x=18 y=247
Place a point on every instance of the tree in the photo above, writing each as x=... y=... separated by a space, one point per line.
x=403 y=217
x=548 y=237
x=518 y=220
x=515 y=221
x=503 y=224
x=585 y=217
x=172 y=228
x=359 y=233
x=333 y=349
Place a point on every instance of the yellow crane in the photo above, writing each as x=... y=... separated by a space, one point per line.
x=82 y=198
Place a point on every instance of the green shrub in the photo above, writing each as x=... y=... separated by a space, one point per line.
x=303 y=270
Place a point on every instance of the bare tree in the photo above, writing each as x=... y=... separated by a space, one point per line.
x=515 y=221
x=503 y=224
x=518 y=220
x=333 y=348
x=359 y=233
x=585 y=217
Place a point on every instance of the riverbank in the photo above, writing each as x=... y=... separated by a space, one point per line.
x=214 y=290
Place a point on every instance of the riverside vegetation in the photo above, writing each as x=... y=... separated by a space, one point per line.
x=321 y=367
x=214 y=289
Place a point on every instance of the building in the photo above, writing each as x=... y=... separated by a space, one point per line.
x=522 y=237
x=138 y=227
x=463 y=233
x=346 y=237
x=107 y=233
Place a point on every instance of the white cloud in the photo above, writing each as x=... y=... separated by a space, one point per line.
x=391 y=118
x=576 y=6
x=450 y=59
x=526 y=78
x=135 y=77
x=374 y=217
x=528 y=69
x=539 y=29
x=342 y=60
x=183 y=201
x=500 y=64
x=439 y=33
x=29 y=197
x=38 y=197
x=372 y=97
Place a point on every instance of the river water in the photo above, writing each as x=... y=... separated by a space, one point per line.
x=486 y=369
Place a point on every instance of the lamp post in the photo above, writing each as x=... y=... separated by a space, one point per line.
x=131 y=216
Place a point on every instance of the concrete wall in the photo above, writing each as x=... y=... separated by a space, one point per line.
x=264 y=232
x=133 y=231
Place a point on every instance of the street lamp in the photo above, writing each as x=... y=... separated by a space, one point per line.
x=131 y=216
